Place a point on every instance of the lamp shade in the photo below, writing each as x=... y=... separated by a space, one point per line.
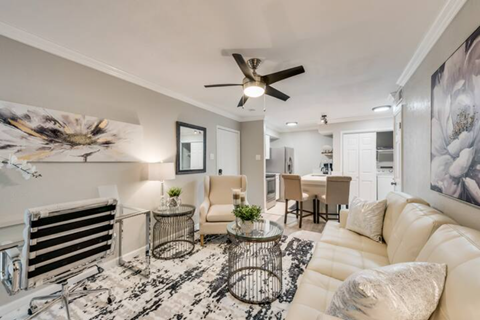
x=161 y=171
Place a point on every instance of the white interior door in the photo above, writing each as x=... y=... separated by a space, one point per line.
x=350 y=161
x=367 y=181
x=228 y=152
x=397 y=152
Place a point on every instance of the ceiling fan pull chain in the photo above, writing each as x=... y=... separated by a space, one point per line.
x=264 y=103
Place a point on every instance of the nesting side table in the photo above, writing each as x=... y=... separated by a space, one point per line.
x=255 y=262
x=173 y=232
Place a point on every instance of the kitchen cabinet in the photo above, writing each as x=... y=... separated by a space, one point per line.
x=384 y=186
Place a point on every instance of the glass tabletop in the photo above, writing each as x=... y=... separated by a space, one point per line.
x=183 y=209
x=263 y=230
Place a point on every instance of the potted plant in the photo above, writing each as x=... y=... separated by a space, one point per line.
x=174 y=196
x=248 y=215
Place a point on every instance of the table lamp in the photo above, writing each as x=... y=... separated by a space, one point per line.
x=161 y=172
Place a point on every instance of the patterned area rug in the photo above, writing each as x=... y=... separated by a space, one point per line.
x=193 y=287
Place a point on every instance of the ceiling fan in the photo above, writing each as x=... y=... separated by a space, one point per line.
x=255 y=85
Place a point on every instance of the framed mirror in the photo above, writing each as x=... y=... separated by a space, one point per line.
x=191 y=148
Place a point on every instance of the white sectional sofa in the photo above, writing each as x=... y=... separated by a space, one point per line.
x=412 y=231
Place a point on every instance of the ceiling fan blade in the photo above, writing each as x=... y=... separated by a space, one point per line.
x=222 y=85
x=271 y=91
x=242 y=101
x=284 y=74
x=243 y=66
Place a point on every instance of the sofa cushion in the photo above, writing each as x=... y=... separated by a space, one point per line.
x=396 y=202
x=413 y=229
x=459 y=248
x=299 y=311
x=316 y=290
x=340 y=262
x=220 y=213
x=334 y=234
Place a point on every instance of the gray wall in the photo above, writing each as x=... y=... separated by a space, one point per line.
x=33 y=77
x=416 y=119
x=252 y=144
x=308 y=149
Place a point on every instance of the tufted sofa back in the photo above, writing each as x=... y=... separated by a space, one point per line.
x=459 y=248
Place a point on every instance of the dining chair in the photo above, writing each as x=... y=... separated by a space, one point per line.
x=337 y=192
x=293 y=191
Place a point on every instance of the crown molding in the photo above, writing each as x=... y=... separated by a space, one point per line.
x=38 y=42
x=252 y=118
x=386 y=115
x=449 y=11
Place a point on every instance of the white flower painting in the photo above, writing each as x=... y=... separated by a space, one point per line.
x=44 y=135
x=455 y=145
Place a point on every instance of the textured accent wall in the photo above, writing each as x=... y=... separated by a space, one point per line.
x=416 y=119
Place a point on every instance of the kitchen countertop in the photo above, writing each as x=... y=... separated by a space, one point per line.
x=317 y=179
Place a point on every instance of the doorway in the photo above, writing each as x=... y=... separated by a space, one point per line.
x=228 y=151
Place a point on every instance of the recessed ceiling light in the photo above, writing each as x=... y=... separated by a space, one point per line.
x=292 y=124
x=381 y=108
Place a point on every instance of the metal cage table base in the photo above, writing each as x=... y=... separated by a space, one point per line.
x=255 y=265
x=173 y=233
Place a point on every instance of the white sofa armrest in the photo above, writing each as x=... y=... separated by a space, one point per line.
x=343 y=218
x=204 y=207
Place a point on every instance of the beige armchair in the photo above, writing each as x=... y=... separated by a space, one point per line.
x=216 y=209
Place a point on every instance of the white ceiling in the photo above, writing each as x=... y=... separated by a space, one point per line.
x=353 y=51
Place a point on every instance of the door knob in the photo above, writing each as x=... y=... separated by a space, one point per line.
x=220 y=172
x=393 y=183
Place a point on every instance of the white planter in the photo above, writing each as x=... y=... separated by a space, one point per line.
x=247 y=226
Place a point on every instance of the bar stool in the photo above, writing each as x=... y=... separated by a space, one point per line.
x=337 y=192
x=294 y=191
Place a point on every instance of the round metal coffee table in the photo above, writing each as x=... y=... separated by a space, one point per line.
x=255 y=262
x=173 y=233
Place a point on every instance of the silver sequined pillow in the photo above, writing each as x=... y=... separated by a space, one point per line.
x=396 y=292
x=366 y=218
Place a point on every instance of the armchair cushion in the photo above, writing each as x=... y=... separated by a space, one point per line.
x=221 y=188
x=220 y=213
x=204 y=207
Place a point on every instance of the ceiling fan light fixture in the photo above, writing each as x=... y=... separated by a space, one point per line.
x=381 y=108
x=254 y=89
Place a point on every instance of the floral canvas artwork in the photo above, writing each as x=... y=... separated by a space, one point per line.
x=44 y=135
x=455 y=127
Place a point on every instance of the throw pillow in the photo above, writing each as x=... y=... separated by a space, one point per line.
x=366 y=218
x=395 y=292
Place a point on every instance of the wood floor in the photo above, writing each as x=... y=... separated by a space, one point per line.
x=277 y=214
